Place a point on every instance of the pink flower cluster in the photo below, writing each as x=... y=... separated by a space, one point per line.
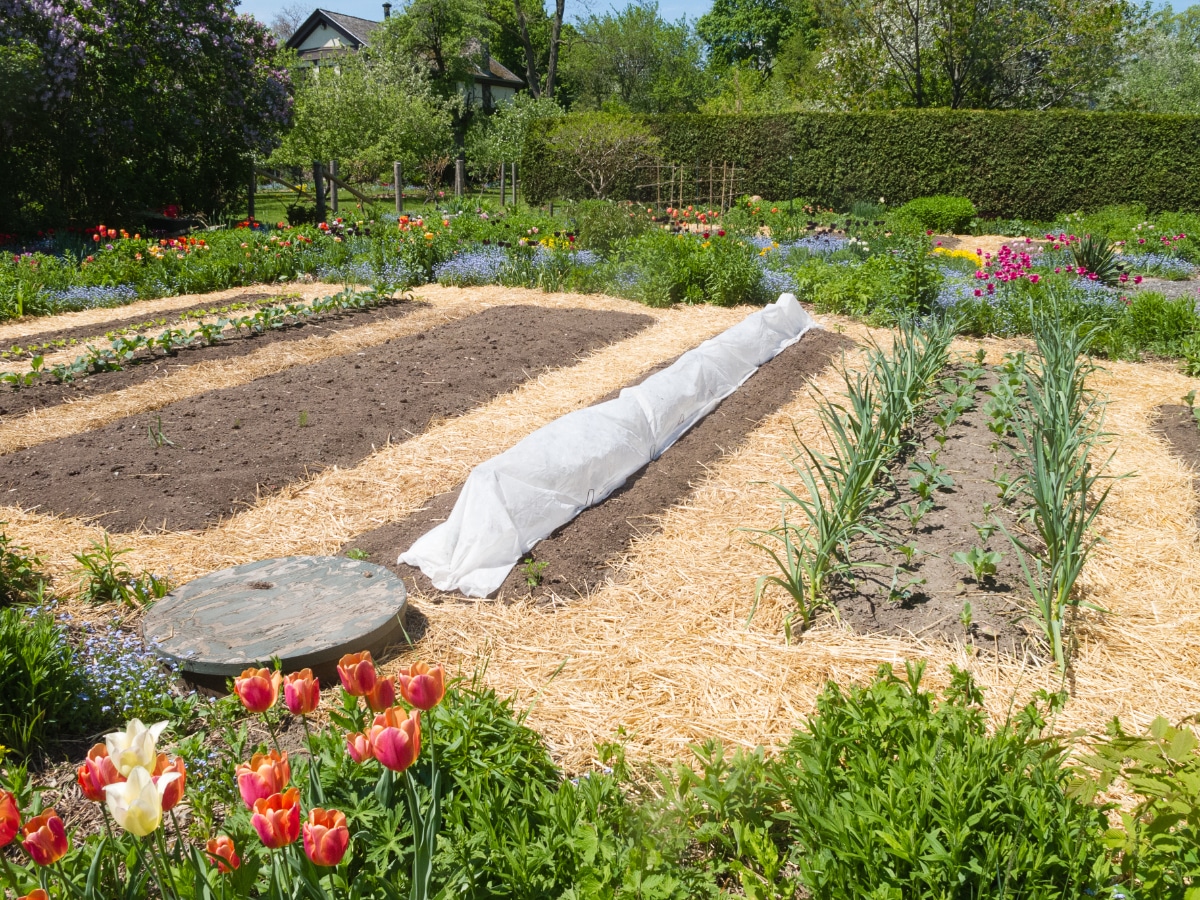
x=1167 y=240
x=1008 y=265
x=1061 y=241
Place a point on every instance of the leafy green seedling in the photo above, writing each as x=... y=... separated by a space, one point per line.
x=157 y=438
x=1190 y=398
x=915 y=512
x=908 y=551
x=982 y=563
x=357 y=553
x=965 y=615
x=533 y=571
x=303 y=419
x=985 y=529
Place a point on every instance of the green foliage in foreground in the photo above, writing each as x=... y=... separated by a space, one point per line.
x=40 y=681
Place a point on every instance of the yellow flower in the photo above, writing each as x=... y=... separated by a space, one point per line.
x=959 y=254
x=135 y=746
x=136 y=803
x=429 y=235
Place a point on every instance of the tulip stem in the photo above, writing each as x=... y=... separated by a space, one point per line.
x=162 y=844
x=12 y=876
x=271 y=729
x=314 y=764
x=153 y=866
x=178 y=838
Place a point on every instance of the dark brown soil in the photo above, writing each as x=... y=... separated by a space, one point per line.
x=48 y=392
x=580 y=555
x=925 y=598
x=1179 y=426
x=219 y=450
x=80 y=334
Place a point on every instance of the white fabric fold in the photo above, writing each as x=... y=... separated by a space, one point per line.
x=515 y=499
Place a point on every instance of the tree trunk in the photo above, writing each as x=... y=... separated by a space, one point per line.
x=555 y=40
x=531 y=77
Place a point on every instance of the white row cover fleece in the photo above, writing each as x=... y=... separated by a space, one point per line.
x=513 y=500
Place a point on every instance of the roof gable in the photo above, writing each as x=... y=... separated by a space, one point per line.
x=356 y=31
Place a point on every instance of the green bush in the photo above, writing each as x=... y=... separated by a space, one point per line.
x=1013 y=164
x=1160 y=324
x=40 y=681
x=894 y=795
x=21 y=578
x=600 y=224
x=675 y=268
x=941 y=213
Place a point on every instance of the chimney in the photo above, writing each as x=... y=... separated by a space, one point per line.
x=387 y=10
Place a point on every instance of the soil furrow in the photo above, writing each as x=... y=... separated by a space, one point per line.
x=582 y=554
x=192 y=462
x=49 y=393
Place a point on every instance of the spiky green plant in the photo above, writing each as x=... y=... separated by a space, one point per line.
x=1097 y=255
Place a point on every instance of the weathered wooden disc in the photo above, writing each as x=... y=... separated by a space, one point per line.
x=306 y=610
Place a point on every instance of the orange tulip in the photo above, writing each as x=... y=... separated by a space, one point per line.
x=357 y=672
x=173 y=792
x=223 y=854
x=382 y=695
x=396 y=740
x=97 y=772
x=422 y=686
x=301 y=692
x=277 y=819
x=258 y=689
x=10 y=818
x=45 y=838
x=358 y=745
x=326 y=836
x=264 y=775
x=35 y=894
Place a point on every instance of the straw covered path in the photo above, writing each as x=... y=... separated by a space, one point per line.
x=664 y=651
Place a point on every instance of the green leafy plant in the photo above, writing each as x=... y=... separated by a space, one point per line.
x=981 y=562
x=915 y=512
x=357 y=553
x=105 y=578
x=157 y=438
x=928 y=477
x=21 y=577
x=532 y=570
x=1096 y=255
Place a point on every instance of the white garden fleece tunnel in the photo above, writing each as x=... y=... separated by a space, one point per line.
x=515 y=499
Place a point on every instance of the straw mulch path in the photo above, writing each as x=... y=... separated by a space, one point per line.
x=666 y=654
x=319 y=515
x=30 y=327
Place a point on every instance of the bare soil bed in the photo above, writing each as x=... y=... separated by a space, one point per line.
x=579 y=556
x=47 y=392
x=1179 y=426
x=925 y=598
x=195 y=461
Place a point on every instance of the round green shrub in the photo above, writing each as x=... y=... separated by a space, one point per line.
x=940 y=213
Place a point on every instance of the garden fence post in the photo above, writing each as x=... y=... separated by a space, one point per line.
x=319 y=189
x=398 y=177
x=250 y=195
x=333 y=187
x=460 y=176
x=503 y=167
x=514 y=184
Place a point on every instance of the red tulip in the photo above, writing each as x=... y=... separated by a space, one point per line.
x=10 y=818
x=97 y=772
x=173 y=792
x=45 y=838
x=422 y=686
x=264 y=775
x=277 y=819
x=301 y=692
x=326 y=836
x=258 y=689
x=357 y=672
x=396 y=740
x=223 y=854
x=382 y=695
x=358 y=745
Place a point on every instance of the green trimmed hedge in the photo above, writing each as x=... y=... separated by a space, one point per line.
x=1031 y=165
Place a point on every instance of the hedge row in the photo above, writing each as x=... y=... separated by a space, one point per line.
x=1030 y=165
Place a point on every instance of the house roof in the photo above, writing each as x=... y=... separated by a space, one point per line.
x=358 y=32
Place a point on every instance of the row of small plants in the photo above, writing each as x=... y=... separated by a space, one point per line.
x=868 y=426
x=128 y=348
x=423 y=785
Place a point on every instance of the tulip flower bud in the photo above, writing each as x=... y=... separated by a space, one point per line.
x=35 y=894
x=45 y=838
x=258 y=689
x=10 y=818
x=135 y=746
x=326 y=836
x=358 y=745
x=223 y=854
x=396 y=740
x=172 y=792
x=97 y=772
x=137 y=803
x=301 y=692
x=264 y=775
x=382 y=695
x=277 y=819
x=357 y=672
x=422 y=686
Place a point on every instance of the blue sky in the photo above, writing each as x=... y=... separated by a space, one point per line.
x=371 y=9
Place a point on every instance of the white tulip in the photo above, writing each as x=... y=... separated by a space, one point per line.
x=136 y=803
x=135 y=746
